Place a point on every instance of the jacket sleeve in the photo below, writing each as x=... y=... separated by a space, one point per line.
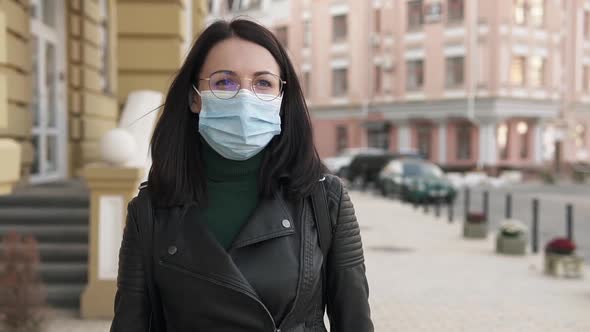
x=348 y=290
x=132 y=310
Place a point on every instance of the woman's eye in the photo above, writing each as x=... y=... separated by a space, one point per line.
x=224 y=83
x=264 y=84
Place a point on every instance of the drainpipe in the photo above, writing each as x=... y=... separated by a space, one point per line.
x=474 y=13
x=473 y=60
x=367 y=101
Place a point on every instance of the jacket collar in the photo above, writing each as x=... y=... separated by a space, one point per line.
x=271 y=219
x=198 y=250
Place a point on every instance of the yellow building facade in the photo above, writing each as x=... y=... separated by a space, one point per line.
x=66 y=68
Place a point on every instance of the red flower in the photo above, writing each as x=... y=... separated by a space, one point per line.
x=476 y=217
x=560 y=246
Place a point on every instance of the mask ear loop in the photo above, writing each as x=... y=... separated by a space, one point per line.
x=196 y=90
x=191 y=96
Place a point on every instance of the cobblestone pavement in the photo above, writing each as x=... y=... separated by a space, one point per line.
x=425 y=277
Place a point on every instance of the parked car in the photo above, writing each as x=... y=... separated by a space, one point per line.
x=339 y=165
x=364 y=168
x=415 y=180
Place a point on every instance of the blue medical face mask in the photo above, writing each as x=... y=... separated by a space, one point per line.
x=238 y=128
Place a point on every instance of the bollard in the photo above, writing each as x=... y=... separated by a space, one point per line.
x=437 y=208
x=535 y=228
x=569 y=217
x=486 y=198
x=450 y=209
x=508 y=211
x=467 y=202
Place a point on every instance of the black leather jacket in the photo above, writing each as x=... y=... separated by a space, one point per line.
x=275 y=262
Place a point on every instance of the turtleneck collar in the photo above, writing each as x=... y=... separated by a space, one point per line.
x=220 y=169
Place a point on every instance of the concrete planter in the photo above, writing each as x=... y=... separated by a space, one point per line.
x=475 y=230
x=515 y=245
x=564 y=266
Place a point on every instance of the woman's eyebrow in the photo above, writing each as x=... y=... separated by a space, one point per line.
x=263 y=72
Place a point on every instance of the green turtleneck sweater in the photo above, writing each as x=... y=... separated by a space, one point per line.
x=232 y=189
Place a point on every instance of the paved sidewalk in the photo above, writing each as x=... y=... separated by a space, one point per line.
x=425 y=277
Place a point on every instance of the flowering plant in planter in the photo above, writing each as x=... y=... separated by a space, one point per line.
x=476 y=217
x=22 y=295
x=512 y=228
x=560 y=246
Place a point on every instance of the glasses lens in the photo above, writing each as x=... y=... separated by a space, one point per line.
x=267 y=86
x=224 y=85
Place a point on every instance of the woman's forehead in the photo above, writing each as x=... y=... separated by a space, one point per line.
x=240 y=56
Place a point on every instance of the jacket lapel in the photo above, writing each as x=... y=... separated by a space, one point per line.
x=193 y=248
x=271 y=219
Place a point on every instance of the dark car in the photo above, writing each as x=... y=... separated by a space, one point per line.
x=365 y=167
x=415 y=180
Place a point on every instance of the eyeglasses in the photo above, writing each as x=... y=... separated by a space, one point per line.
x=226 y=84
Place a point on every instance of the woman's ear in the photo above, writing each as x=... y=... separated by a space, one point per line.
x=194 y=101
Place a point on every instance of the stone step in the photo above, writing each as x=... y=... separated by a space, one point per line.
x=62 y=273
x=63 y=252
x=43 y=216
x=37 y=201
x=65 y=295
x=50 y=233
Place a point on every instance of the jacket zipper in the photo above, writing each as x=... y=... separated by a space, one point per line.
x=226 y=284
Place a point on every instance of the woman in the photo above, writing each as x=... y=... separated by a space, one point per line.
x=225 y=235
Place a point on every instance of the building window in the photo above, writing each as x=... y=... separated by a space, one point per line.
x=339 y=82
x=537 y=74
x=210 y=6
x=255 y=4
x=456 y=11
x=522 y=128
x=502 y=137
x=377 y=20
x=586 y=82
x=580 y=136
x=424 y=140
x=415 y=74
x=341 y=138
x=464 y=142
x=520 y=12
x=282 y=34
x=378 y=136
x=306 y=83
x=339 y=28
x=587 y=24
x=378 y=79
x=454 y=72
x=517 y=70
x=306 y=33
x=537 y=12
x=415 y=14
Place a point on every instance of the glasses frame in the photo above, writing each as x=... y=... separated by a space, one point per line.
x=281 y=82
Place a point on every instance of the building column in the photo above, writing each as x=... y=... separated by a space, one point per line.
x=488 y=149
x=442 y=142
x=111 y=188
x=403 y=139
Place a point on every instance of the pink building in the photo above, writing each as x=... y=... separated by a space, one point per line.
x=495 y=84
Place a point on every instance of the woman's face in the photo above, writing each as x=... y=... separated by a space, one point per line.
x=242 y=57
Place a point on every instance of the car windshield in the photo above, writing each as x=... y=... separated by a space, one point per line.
x=421 y=169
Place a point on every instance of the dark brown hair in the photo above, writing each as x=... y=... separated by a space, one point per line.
x=177 y=174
